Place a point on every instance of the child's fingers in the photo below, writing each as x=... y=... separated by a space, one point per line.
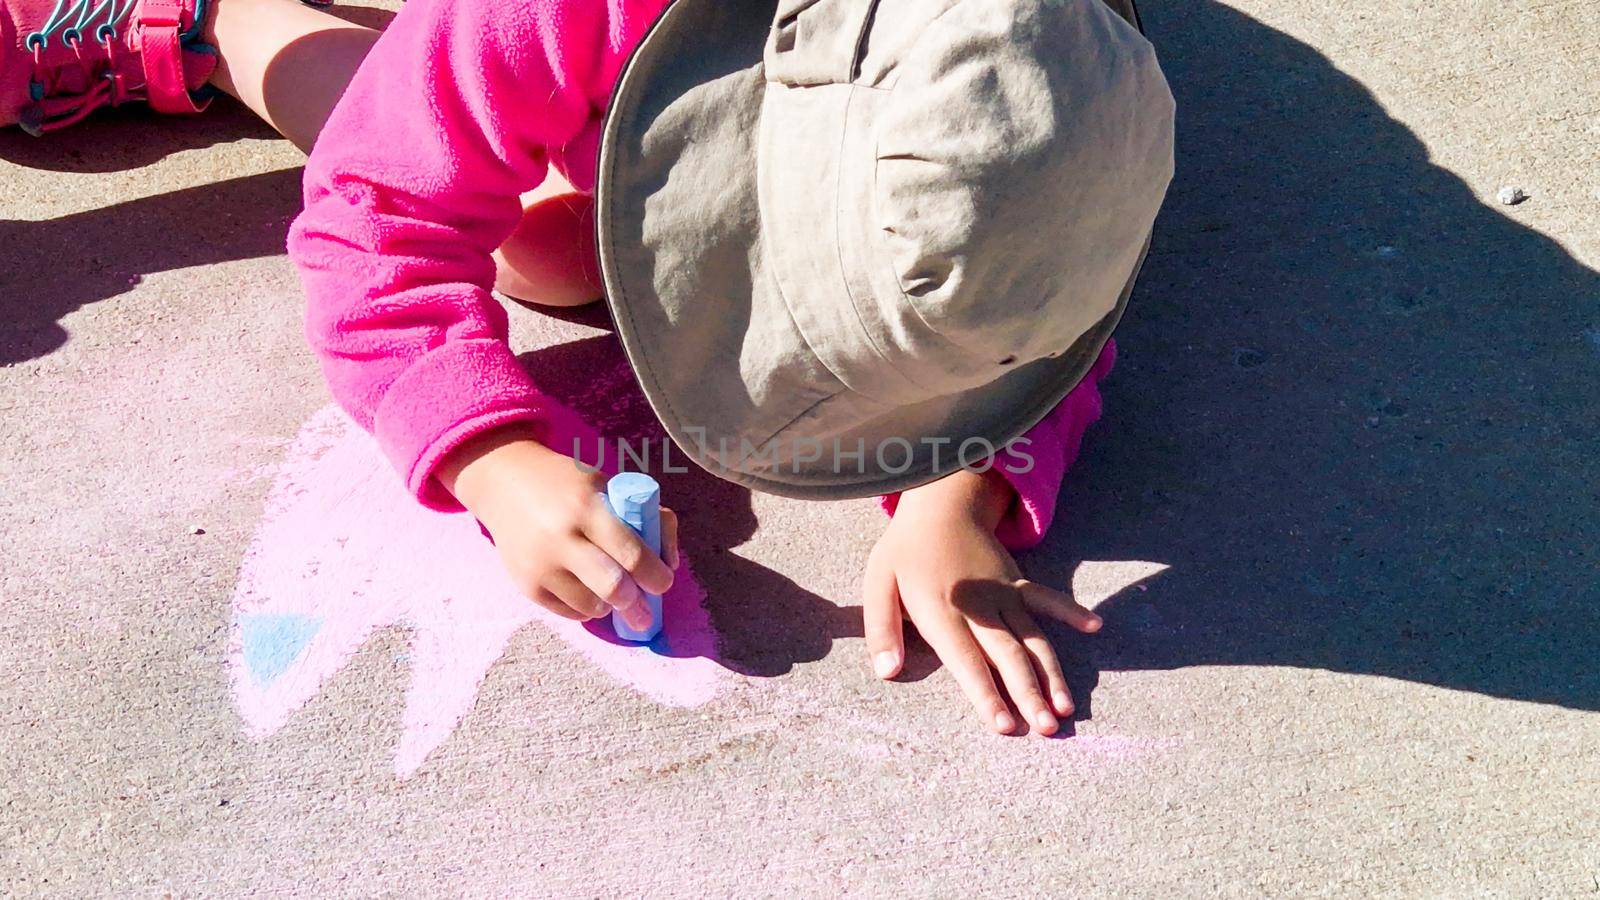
x=555 y=604
x=619 y=542
x=1047 y=667
x=576 y=595
x=1058 y=606
x=880 y=613
x=602 y=575
x=947 y=633
x=1015 y=666
x=669 y=538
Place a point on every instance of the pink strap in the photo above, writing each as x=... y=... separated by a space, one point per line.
x=166 y=88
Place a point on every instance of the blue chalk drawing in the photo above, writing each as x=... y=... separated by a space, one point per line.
x=273 y=641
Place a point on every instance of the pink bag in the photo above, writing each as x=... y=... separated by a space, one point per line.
x=62 y=59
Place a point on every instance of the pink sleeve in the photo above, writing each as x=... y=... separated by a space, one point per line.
x=459 y=108
x=1039 y=462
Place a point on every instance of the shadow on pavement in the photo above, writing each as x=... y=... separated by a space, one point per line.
x=55 y=267
x=1355 y=408
x=130 y=137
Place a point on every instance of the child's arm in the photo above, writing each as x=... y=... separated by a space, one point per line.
x=970 y=601
x=411 y=186
x=460 y=107
x=1034 y=471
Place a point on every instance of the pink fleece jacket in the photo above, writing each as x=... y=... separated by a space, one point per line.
x=460 y=108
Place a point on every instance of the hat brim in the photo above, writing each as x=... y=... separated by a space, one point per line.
x=699 y=311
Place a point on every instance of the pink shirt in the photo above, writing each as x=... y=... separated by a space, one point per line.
x=461 y=107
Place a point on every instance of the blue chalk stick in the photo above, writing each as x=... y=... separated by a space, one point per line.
x=635 y=498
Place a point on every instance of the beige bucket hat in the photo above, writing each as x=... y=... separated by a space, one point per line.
x=850 y=246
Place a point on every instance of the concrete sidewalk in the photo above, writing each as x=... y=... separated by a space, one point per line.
x=1341 y=518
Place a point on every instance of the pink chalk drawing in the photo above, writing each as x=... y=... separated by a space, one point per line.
x=343 y=551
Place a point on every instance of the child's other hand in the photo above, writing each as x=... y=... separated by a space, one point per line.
x=940 y=565
x=554 y=531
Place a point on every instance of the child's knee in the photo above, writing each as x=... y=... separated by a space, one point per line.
x=550 y=259
x=541 y=288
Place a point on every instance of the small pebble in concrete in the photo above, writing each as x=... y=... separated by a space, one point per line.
x=1248 y=357
x=1511 y=195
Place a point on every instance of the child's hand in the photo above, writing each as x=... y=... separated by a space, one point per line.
x=555 y=533
x=940 y=565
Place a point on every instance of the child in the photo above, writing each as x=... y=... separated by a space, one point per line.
x=902 y=221
x=825 y=230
